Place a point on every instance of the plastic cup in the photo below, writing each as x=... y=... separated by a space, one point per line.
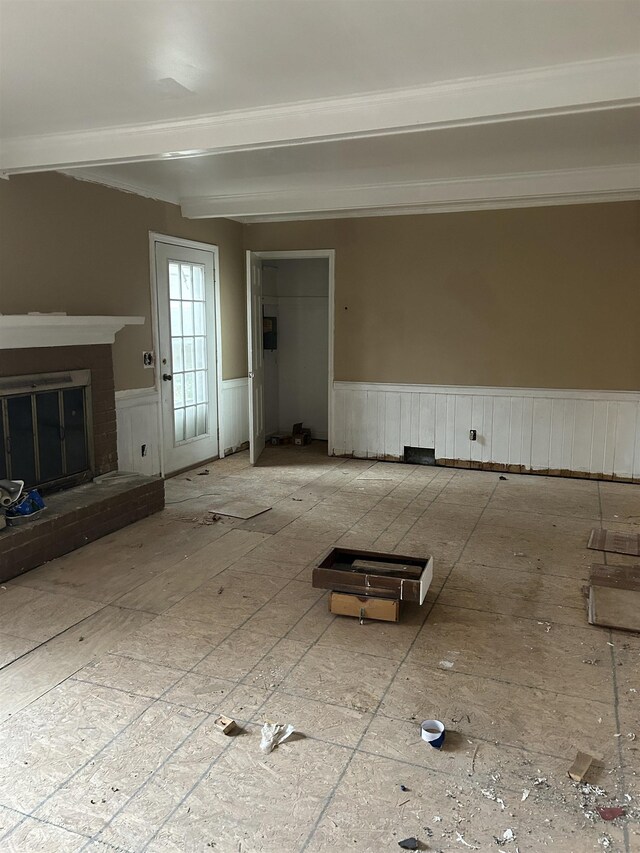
x=433 y=732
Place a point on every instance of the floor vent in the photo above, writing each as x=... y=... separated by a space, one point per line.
x=420 y=455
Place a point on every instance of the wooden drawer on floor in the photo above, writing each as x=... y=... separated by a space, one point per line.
x=365 y=607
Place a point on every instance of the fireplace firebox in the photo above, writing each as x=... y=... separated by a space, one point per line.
x=45 y=429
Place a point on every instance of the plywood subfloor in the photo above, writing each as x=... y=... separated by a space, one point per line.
x=120 y=656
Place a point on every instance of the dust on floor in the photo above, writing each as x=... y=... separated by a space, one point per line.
x=119 y=657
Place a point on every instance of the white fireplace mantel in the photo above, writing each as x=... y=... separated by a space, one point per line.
x=22 y=331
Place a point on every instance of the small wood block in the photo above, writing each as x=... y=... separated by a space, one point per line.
x=364 y=607
x=614 y=597
x=616 y=543
x=580 y=766
x=225 y=724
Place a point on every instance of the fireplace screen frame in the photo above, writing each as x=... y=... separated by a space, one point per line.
x=31 y=386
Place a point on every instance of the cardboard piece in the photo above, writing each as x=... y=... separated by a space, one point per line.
x=580 y=766
x=301 y=435
x=614 y=597
x=616 y=543
x=280 y=438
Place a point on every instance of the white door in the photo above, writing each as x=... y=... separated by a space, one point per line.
x=187 y=355
x=256 y=357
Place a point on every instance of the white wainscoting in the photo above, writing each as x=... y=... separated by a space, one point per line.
x=559 y=431
x=235 y=414
x=137 y=422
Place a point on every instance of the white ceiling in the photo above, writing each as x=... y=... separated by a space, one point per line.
x=299 y=107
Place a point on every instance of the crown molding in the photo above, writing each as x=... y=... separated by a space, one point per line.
x=572 y=87
x=94 y=176
x=571 y=186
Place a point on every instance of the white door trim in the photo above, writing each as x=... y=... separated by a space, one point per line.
x=156 y=237
x=330 y=255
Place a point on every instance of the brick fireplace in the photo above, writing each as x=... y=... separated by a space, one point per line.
x=58 y=432
x=53 y=362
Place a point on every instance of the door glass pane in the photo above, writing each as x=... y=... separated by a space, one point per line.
x=178 y=390
x=198 y=282
x=75 y=440
x=23 y=458
x=201 y=420
x=201 y=386
x=198 y=318
x=188 y=329
x=190 y=422
x=3 y=465
x=201 y=353
x=49 y=436
x=174 y=280
x=187 y=286
x=178 y=420
x=176 y=355
x=189 y=388
x=189 y=354
x=176 y=318
x=187 y=318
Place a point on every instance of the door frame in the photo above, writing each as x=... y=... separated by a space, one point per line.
x=155 y=237
x=301 y=254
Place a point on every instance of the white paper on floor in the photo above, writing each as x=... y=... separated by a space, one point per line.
x=240 y=509
x=273 y=734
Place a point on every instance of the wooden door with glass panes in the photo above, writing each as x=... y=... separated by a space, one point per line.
x=186 y=360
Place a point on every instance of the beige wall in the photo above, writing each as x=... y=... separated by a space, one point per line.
x=540 y=297
x=68 y=245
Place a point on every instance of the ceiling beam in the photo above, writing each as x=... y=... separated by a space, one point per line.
x=568 y=88
x=570 y=186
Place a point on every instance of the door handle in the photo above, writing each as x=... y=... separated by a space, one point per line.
x=251 y=375
x=167 y=377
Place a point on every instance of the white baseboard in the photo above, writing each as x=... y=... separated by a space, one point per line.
x=582 y=432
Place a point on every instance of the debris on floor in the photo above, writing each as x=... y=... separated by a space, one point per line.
x=274 y=734
x=461 y=840
x=225 y=724
x=580 y=767
x=507 y=837
x=433 y=732
x=502 y=477
x=490 y=794
x=409 y=844
x=203 y=473
x=610 y=812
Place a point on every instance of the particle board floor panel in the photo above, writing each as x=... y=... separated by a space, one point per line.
x=119 y=657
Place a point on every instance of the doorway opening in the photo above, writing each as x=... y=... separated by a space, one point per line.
x=290 y=345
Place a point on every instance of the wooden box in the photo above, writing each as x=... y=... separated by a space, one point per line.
x=614 y=597
x=364 y=607
x=374 y=574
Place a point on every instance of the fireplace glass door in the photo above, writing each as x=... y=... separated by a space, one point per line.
x=44 y=437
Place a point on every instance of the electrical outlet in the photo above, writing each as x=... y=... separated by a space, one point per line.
x=143 y=450
x=148 y=359
x=473 y=435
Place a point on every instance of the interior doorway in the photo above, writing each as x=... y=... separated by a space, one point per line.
x=290 y=316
